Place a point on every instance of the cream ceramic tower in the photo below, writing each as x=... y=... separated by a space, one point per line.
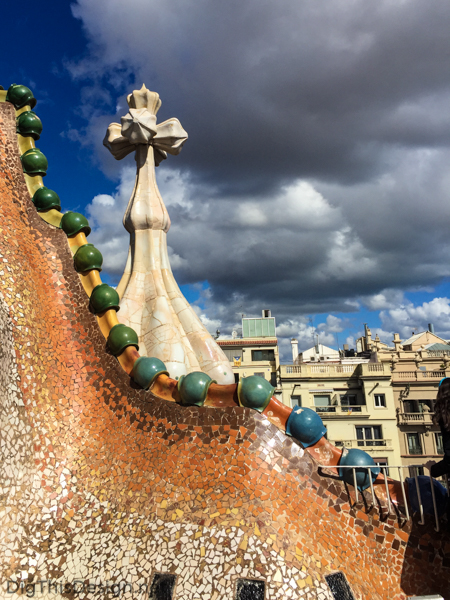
x=151 y=301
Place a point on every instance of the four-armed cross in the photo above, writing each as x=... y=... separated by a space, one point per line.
x=151 y=301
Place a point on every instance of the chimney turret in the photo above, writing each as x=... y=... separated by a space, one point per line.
x=294 y=344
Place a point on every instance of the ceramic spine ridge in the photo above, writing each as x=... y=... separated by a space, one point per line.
x=90 y=279
x=252 y=394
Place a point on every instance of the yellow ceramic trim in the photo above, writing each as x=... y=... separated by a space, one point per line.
x=52 y=217
x=25 y=143
x=107 y=320
x=127 y=359
x=34 y=182
x=25 y=108
x=3 y=95
x=76 y=241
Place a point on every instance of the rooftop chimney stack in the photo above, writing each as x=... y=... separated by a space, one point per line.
x=397 y=341
x=431 y=327
x=368 y=336
x=294 y=344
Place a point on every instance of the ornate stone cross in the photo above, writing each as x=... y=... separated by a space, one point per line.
x=151 y=301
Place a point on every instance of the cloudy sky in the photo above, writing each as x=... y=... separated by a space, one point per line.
x=315 y=181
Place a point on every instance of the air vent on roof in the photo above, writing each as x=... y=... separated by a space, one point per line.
x=162 y=587
x=249 y=589
x=339 y=586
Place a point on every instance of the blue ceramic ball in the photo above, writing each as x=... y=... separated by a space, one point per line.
x=356 y=457
x=305 y=426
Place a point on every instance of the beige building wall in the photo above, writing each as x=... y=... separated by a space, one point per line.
x=243 y=354
x=415 y=379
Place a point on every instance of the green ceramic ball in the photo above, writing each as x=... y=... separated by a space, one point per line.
x=29 y=124
x=20 y=96
x=103 y=297
x=34 y=162
x=193 y=388
x=120 y=337
x=86 y=258
x=254 y=392
x=73 y=223
x=45 y=199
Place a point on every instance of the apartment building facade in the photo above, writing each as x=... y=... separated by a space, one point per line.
x=355 y=402
x=417 y=365
x=380 y=400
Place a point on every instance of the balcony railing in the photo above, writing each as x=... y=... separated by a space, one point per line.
x=369 y=444
x=328 y=412
x=335 y=370
x=415 y=418
x=405 y=376
x=415 y=450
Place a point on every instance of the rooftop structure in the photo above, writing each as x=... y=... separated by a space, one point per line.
x=254 y=354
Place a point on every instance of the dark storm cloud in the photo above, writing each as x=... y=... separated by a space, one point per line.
x=270 y=91
x=316 y=167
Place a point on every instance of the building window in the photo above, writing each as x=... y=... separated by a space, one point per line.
x=296 y=401
x=260 y=375
x=233 y=354
x=439 y=443
x=380 y=401
x=413 y=471
x=382 y=462
x=263 y=355
x=414 y=444
x=350 y=401
x=162 y=587
x=249 y=589
x=322 y=403
x=370 y=436
x=410 y=407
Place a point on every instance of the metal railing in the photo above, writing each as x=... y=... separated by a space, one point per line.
x=373 y=444
x=415 y=418
x=390 y=501
x=336 y=410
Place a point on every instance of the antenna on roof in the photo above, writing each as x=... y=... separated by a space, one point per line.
x=311 y=324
